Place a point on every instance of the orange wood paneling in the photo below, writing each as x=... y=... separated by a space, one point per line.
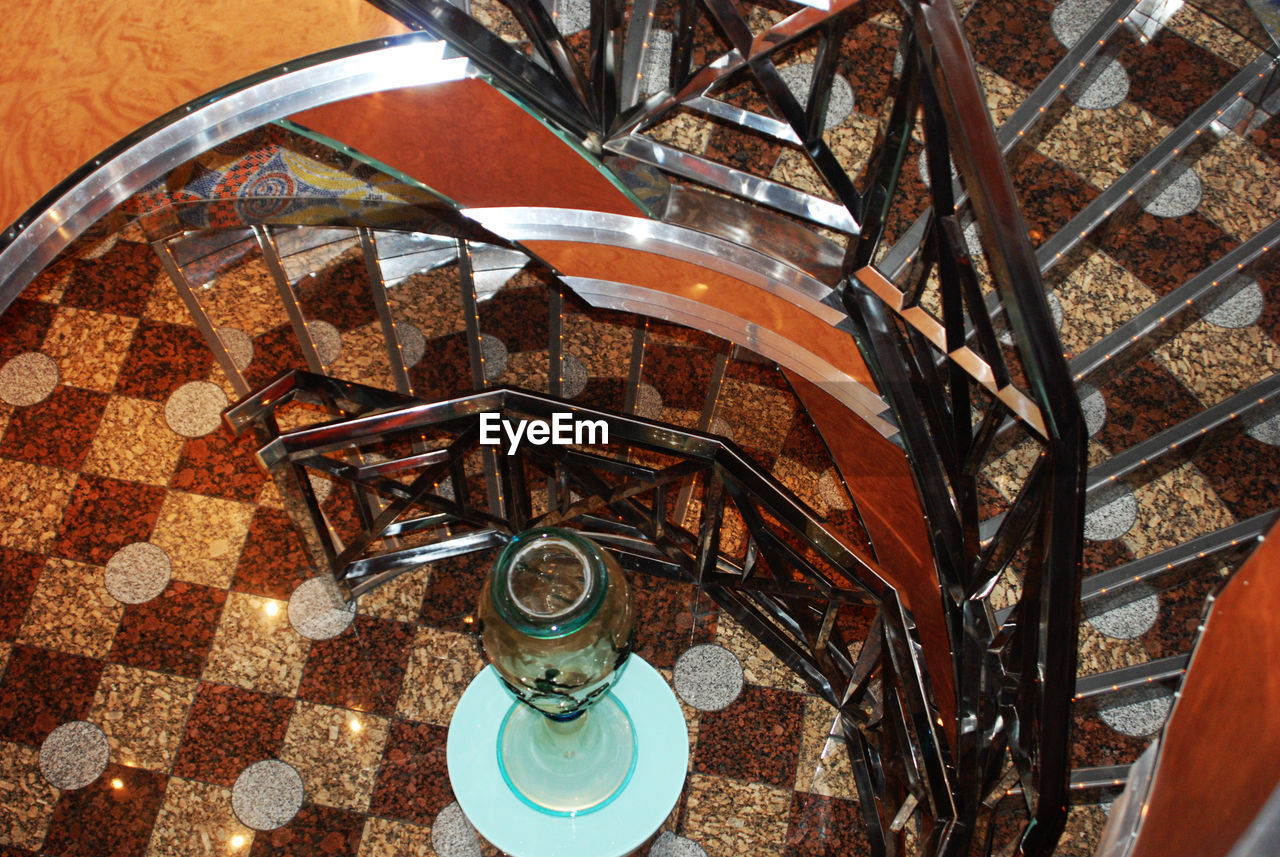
x=470 y=142
x=78 y=75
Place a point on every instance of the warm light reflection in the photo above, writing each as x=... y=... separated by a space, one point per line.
x=355 y=725
x=117 y=783
x=237 y=841
x=271 y=608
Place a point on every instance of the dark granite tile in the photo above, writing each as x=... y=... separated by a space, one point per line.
x=360 y=669
x=119 y=282
x=14 y=851
x=1244 y=473
x=1094 y=743
x=1049 y=192
x=454 y=590
x=228 y=729
x=103 y=515
x=273 y=561
x=866 y=61
x=1171 y=77
x=444 y=370
x=999 y=32
x=274 y=352
x=172 y=632
x=687 y=336
x=161 y=358
x=680 y=375
x=670 y=617
x=102 y=819
x=316 y=831
x=57 y=431
x=763 y=372
x=757 y=738
x=519 y=317
x=1267 y=137
x=1103 y=556
x=804 y=445
x=220 y=465
x=605 y=393
x=413 y=781
x=825 y=827
x=23 y=326
x=847 y=524
x=1267 y=272
x=17 y=583
x=42 y=690
x=740 y=150
x=339 y=295
x=1162 y=252
x=1142 y=402
x=1181 y=609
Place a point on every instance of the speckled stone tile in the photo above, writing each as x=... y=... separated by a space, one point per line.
x=164 y=304
x=431 y=301
x=103 y=515
x=88 y=346
x=1170 y=76
x=71 y=610
x=1173 y=508
x=1216 y=363
x=103 y=819
x=1097 y=295
x=413 y=781
x=824 y=826
x=142 y=714
x=170 y=633
x=314 y=830
x=759 y=665
x=120 y=281
x=1093 y=742
x=245 y=297
x=1097 y=654
x=26 y=799
x=399 y=600
x=1213 y=36
x=273 y=561
x=196 y=820
x=730 y=818
x=17 y=584
x=56 y=431
x=1141 y=402
x=824 y=767
x=1240 y=187
x=757 y=738
x=602 y=341
x=255 y=647
x=228 y=730
x=794 y=169
x=43 y=689
x=758 y=416
x=1099 y=145
x=202 y=536
x=1003 y=96
x=134 y=442
x=454 y=590
x=363 y=358
x=670 y=617
x=219 y=465
x=360 y=669
x=32 y=499
x=684 y=131
x=336 y=751
x=161 y=358
x=386 y=838
x=23 y=327
x=1082 y=832
x=441 y=665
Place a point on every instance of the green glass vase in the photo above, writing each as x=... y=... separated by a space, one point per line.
x=558 y=628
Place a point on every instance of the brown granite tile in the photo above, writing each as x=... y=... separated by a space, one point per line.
x=824 y=767
x=1214 y=363
x=274 y=351
x=1048 y=192
x=102 y=818
x=520 y=317
x=88 y=346
x=119 y=282
x=245 y=297
x=134 y=442
x=1142 y=402
x=202 y=536
x=339 y=294
x=228 y=730
x=42 y=690
x=999 y=32
x=71 y=610
x=273 y=561
x=825 y=827
x=142 y=714
x=219 y=465
x=759 y=665
x=440 y=666
x=23 y=327
x=730 y=818
x=50 y=283
x=757 y=738
x=758 y=417
x=680 y=375
x=314 y=830
x=1267 y=137
x=1171 y=77
x=1163 y=252
x=170 y=633
x=400 y=599
x=1240 y=187
x=386 y=838
x=336 y=751
x=56 y=431
x=1181 y=612
x=104 y=515
x=17 y=584
x=362 y=668
x=1173 y=508
x=1243 y=473
x=255 y=647
x=454 y=590
x=444 y=369
x=32 y=499
x=196 y=820
x=26 y=799
x=670 y=617
x=161 y=359
x=1093 y=742
x=413 y=780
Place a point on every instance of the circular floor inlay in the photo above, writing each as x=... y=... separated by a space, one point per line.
x=327 y=339
x=572 y=16
x=708 y=677
x=1264 y=425
x=239 y=346
x=1071 y=19
x=493 y=351
x=412 y=343
x=1138 y=712
x=195 y=408
x=137 y=573
x=1173 y=193
x=1103 y=84
x=1126 y=613
x=1233 y=304
x=316 y=609
x=28 y=378
x=452 y=834
x=267 y=795
x=657 y=61
x=74 y=755
x=799 y=79
x=573 y=377
x=1094 y=407
x=672 y=845
x=1110 y=513
x=1055 y=313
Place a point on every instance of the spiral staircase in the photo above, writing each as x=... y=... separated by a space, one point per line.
x=736 y=222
